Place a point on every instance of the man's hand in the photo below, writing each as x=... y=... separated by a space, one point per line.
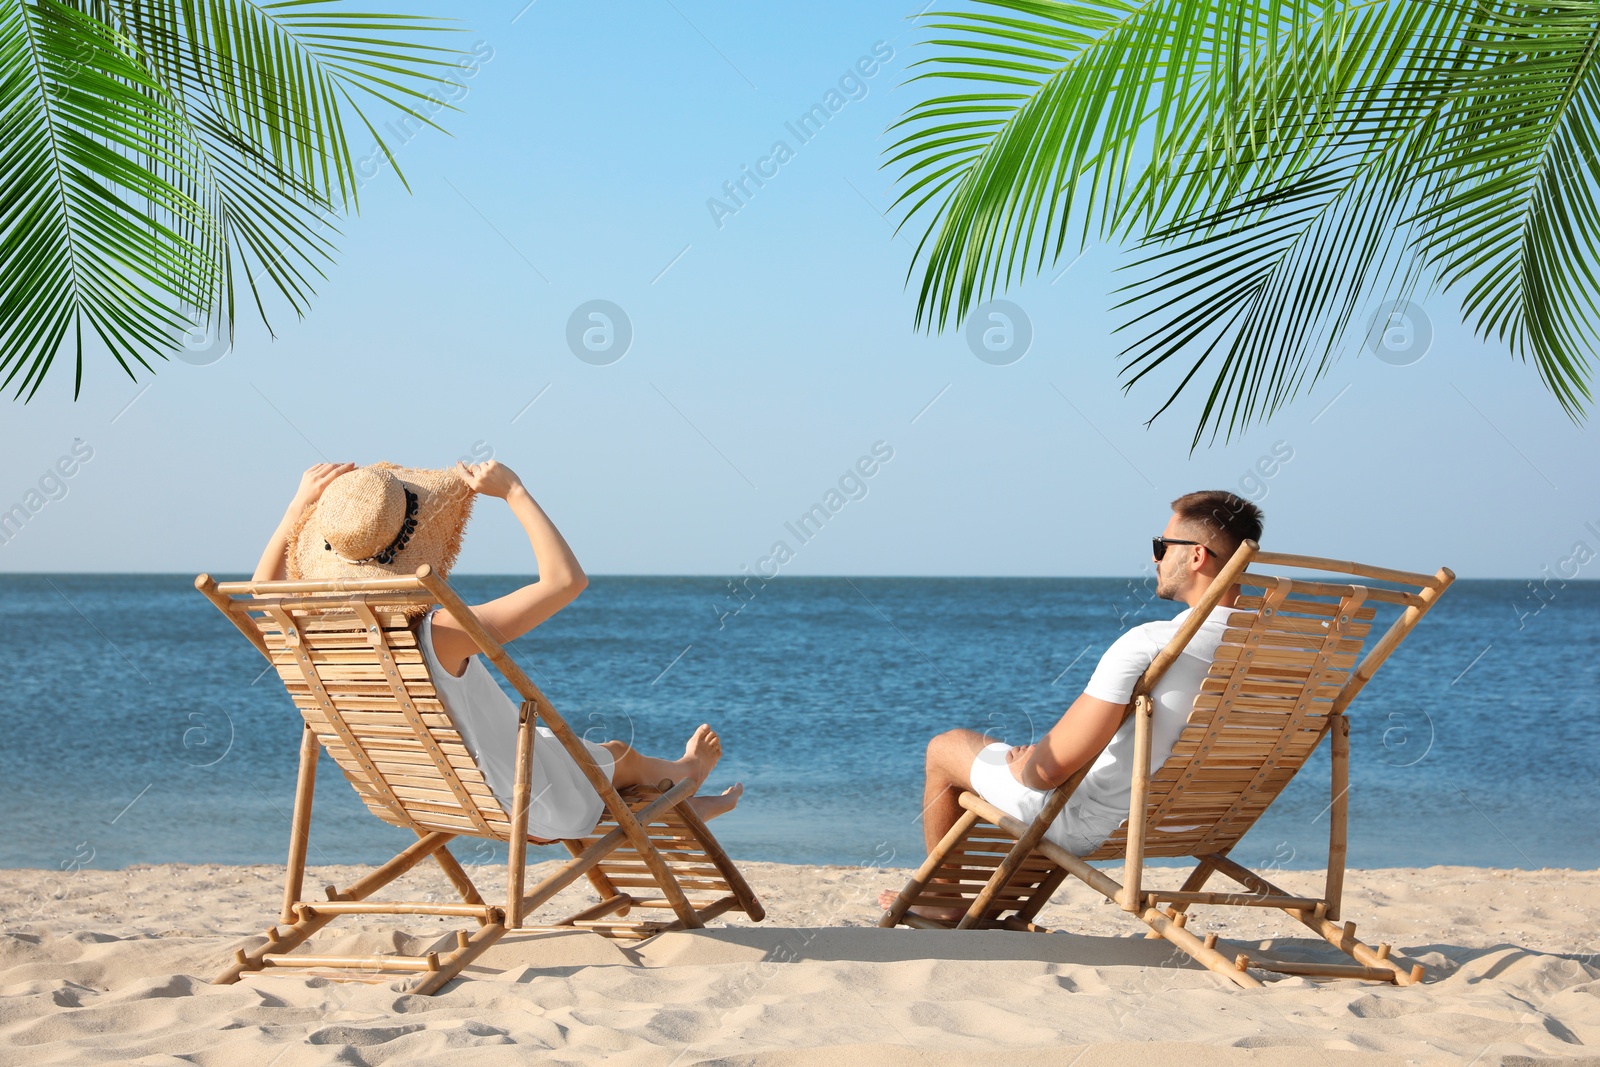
x=1017 y=759
x=314 y=482
x=491 y=479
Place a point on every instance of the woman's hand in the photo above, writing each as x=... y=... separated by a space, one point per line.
x=491 y=479
x=312 y=485
x=314 y=482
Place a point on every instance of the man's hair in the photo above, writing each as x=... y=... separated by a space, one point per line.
x=1225 y=520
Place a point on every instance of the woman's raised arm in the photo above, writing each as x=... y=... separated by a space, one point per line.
x=560 y=580
x=274 y=558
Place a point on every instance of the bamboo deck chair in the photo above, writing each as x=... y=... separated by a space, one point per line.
x=350 y=661
x=1282 y=679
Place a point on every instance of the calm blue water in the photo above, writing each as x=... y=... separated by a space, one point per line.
x=138 y=729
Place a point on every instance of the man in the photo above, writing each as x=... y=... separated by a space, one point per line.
x=1205 y=530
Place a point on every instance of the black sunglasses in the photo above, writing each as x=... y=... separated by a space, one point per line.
x=1158 y=546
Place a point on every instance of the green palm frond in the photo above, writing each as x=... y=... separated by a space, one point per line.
x=1515 y=223
x=1278 y=166
x=103 y=203
x=157 y=156
x=1265 y=291
x=284 y=76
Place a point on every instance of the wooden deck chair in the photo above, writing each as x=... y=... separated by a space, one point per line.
x=1282 y=679
x=349 y=658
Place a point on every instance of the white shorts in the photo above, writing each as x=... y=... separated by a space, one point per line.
x=1076 y=830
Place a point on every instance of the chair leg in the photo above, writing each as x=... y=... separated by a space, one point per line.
x=742 y=892
x=596 y=852
x=305 y=788
x=1041 y=897
x=919 y=880
x=1203 y=952
x=457 y=874
x=1341 y=937
x=468 y=948
x=360 y=889
x=636 y=832
x=1027 y=839
x=597 y=878
x=1192 y=884
x=516 y=861
x=1344 y=939
x=1338 y=815
x=1111 y=889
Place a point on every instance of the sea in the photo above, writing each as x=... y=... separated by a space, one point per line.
x=142 y=728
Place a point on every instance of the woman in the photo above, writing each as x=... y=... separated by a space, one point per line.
x=347 y=522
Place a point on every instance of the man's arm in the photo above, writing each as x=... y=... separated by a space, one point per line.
x=1076 y=740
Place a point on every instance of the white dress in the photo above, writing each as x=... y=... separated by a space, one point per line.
x=562 y=802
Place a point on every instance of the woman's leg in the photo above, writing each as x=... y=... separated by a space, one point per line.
x=700 y=755
x=631 y=767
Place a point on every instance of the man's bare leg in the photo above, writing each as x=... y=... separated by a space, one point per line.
x=947 y=772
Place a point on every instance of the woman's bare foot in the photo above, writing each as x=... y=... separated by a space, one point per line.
x=887 y=898
x=701 y=754
x=721 y=804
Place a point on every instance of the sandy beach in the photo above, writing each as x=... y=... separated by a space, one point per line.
x=113 y=967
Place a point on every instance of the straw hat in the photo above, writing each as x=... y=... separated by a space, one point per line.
x=382 y=520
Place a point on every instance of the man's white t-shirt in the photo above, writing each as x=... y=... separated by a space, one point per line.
x=1107 y=788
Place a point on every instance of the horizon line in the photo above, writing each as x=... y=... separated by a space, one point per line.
x=244 y=576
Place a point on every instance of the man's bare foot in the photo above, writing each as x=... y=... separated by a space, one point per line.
x=721 y=804
x=887 y=898
x=701 y=755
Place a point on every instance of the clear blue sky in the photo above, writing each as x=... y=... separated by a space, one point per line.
x=768 y=355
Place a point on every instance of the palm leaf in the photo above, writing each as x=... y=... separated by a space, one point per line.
x=1278 y=165
x=100 y=210
x=1514 y=222
x=157 y=154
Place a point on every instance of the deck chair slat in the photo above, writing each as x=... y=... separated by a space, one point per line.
x=356 y=665
x=635 y=881
x=394 y=732
x=1272 y=659
x=1299 y=606
x=1251 y=706
x=386 y=744
x=330 y=738
x=404 y=758
x=366 y=695
x=420 y=765
x=355 y=703
x=327 y=619
x=1270 y=692
x=479 y=791
x=335 y=672
x=680 y=851
x=691 y=866
x=1291 y=627
x=347 y=643
x=1250 y=714
x=1278 y=638
x=360 y=718
x=353 y=639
